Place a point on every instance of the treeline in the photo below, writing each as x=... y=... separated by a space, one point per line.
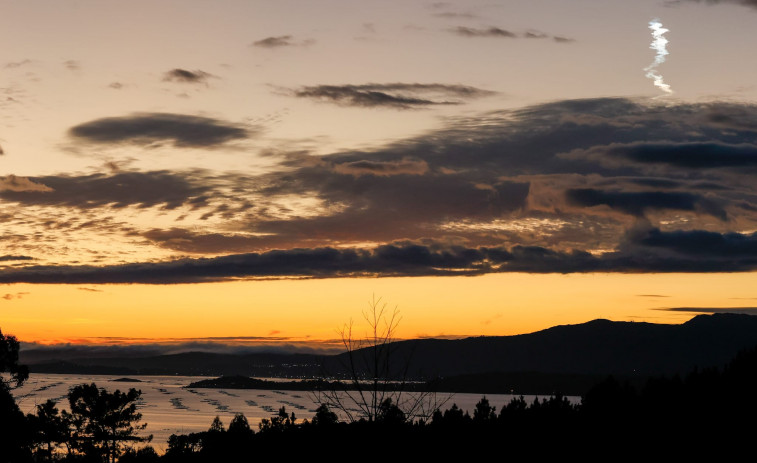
x=707 y=413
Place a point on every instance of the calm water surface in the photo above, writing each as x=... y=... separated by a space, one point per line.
x=169 y=408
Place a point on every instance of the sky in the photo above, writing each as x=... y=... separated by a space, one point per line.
x=254 y=173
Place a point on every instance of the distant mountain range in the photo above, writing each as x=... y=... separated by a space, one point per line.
x=587 y=350
x=596 y=347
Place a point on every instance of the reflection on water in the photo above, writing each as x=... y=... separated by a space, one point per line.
x=169 y=408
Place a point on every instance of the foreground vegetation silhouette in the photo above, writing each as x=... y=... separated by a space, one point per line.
x=709 y=412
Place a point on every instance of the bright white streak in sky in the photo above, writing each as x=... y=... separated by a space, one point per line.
x=659 y=44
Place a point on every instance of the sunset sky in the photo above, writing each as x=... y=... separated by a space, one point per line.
x=251 y=173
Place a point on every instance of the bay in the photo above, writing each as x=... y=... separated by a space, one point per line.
x=168 y=407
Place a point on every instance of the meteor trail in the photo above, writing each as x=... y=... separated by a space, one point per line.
x=659 y=44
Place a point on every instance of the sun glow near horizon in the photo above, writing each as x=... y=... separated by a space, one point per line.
x=310 y=312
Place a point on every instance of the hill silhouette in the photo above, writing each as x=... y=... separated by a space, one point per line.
x=598 y=347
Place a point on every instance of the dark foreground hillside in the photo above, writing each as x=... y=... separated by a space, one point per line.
x=707 y=413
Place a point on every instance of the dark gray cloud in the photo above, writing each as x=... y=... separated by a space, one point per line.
x=19 y=184
x=487 y=32
x=551 y=188
x=281 y=41
x=273 y=42
x=653 y=251
x=699 y=154
x=394 y=95
x=748 y=3
x=197 y=242
x=638 y=203
x=468 y=182
x=118 y=190
x=496 y=32
x=365 y=167
x=697 y=244
x=386 y=208
x=185 y=76
x=11 y=258
x=148 y=128
x=744 y=310
x=535 y=35
x=314 y=263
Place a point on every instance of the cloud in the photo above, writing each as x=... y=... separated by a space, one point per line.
x=643 y=251
x=122 y=347
x=394 y=95
x=22 y=184
x=455 y=15
x=11 y=296
x=11 y=258
x=148 y=128
x=496 y=32
x=365 y=167
x=698 y=154
x=280 y=41
x=696 y=244
x=190 y=241
x=274 y=42
x=118 y=190
x=17 y=64
x=184 y=76
x=609 y=184
x=742 y=310
x=535 y=35
x=386 y=208
x=319 y=262
x=638 y=203
x=748 y=3
x=488 y=32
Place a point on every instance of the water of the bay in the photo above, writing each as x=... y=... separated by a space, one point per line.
x=169 y=407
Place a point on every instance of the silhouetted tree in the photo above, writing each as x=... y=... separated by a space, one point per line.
x=279 y=422
x=239 y=426
x=182 y=446
x=217 y=425
x=143 y=455
x=324 y=416
x=452 y=417
x=375 y=373
x=484 y=412
x=9 y=362
x=103 y=421
x=15 y=438
x=50 y=430
x=390 y=414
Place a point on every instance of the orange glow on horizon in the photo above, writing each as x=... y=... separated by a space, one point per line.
x=310 y=312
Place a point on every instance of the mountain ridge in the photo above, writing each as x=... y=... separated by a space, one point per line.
x=595 y=347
